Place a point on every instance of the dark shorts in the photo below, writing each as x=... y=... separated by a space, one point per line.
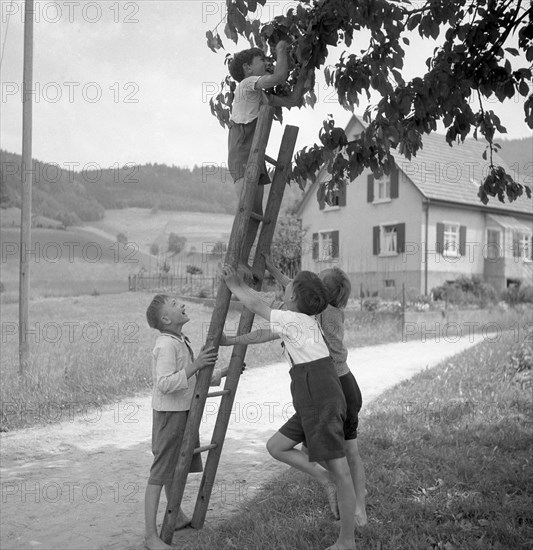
x=240 y=139
x=168 y=428
x=354 y=402
x=320 y=408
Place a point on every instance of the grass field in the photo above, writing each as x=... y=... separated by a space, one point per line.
x=143 y=227
x=448 y=463
x=89 y=260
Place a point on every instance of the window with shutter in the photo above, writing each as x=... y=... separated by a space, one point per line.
x=382 y=189
x=337 y=198
x=524 y=246
x=327 y=245
x=453 y=240
x=389 y=239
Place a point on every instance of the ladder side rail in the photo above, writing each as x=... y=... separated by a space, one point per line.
x=216 y=326
x=266 y=235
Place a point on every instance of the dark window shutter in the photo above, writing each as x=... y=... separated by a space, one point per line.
x=342 y=195
x=400 y=238
x=334 y=244
x=315 y=246
x=370 y=188
x=375 y=240
x=462 y=240
x=439 y=245
x=321 y=196
x=516 y=245
x=394 y=183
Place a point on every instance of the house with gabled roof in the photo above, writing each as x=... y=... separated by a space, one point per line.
x=421 y=226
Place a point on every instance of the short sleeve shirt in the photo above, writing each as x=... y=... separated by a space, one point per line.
x=247 y=101
x=301 y=335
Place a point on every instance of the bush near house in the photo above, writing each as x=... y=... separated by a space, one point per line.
x=518 y=295
x=466 y=291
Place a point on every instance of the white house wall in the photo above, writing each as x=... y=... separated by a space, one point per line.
x=355 y=223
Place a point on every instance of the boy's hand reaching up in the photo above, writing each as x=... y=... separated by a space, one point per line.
x=281 y=46
x=231 y=277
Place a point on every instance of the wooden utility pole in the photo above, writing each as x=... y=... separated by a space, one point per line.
x=26 y=178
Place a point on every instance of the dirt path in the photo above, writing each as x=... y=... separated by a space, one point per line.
x=78 y=483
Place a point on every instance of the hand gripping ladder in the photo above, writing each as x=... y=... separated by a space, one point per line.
x=245 y=220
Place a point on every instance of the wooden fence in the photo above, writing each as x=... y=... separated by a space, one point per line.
x=189 y=285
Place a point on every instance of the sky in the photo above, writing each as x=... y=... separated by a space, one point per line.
x=130 y=82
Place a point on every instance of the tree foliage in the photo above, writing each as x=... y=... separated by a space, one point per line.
x=286 y=247
x=176 y=243
x=471 y=65
x=122 y=238
x=194 y=270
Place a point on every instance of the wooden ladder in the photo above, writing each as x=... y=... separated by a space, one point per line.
x=245 y=220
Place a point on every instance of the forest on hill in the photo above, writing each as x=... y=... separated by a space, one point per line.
x=73 y=197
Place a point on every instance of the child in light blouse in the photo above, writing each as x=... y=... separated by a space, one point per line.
x=174 y=371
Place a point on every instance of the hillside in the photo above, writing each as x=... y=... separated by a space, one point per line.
x=518 y=153
x=81 y=196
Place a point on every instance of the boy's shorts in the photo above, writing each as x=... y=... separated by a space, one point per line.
x=354 y=402
x=168 y=428
x=320 y=408
x=240 y=139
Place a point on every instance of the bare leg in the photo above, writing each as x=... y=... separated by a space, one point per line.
x=359 y=481
x=330 y=488
x=151 y=503
x=282 y=448
x=340 y=471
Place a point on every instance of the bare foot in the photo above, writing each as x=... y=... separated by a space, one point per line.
x=182 y=521
x=155 y=543
x=331 y=493
x=360 y=518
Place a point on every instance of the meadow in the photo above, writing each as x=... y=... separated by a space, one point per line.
x=145 y=227
x=89 y=260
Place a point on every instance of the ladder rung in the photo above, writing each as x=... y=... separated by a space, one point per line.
x=271 y=160
x=218 y=393
x=256 y=216
x=204 y=448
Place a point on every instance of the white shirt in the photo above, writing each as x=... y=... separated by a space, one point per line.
x=247 y=101
x=301 y=335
